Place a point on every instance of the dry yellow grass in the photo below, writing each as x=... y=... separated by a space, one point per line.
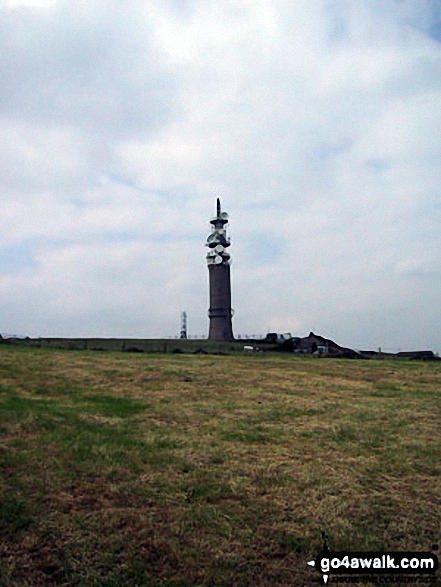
x=179 y=470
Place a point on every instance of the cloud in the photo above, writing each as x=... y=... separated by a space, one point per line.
x=88 y=65
x=317 y=124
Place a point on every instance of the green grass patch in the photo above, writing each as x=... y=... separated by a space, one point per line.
x=117 y=407
x=14 y=515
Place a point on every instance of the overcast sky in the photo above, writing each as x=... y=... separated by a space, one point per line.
x=317 y=123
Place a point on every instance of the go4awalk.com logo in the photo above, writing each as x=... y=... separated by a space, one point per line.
x=374 y=563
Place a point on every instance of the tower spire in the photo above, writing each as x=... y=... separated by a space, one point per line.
x=218 y=207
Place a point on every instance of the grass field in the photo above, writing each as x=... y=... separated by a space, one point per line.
x=121 y=469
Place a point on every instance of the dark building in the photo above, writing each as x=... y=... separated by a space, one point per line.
x=417 y=355
x=218 y=261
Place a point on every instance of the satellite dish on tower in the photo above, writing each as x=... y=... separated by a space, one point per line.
x=212 y=240
x=219 y=248
x=218 y=259
x=224 y=216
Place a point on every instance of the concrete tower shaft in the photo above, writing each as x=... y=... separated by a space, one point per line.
x=218 y=261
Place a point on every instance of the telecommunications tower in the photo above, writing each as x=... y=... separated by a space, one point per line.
x=184 y=325
x=218 y=261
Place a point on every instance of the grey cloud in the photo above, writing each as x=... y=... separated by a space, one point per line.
x=93 y=66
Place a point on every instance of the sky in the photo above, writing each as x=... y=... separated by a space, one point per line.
x=317 y=123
